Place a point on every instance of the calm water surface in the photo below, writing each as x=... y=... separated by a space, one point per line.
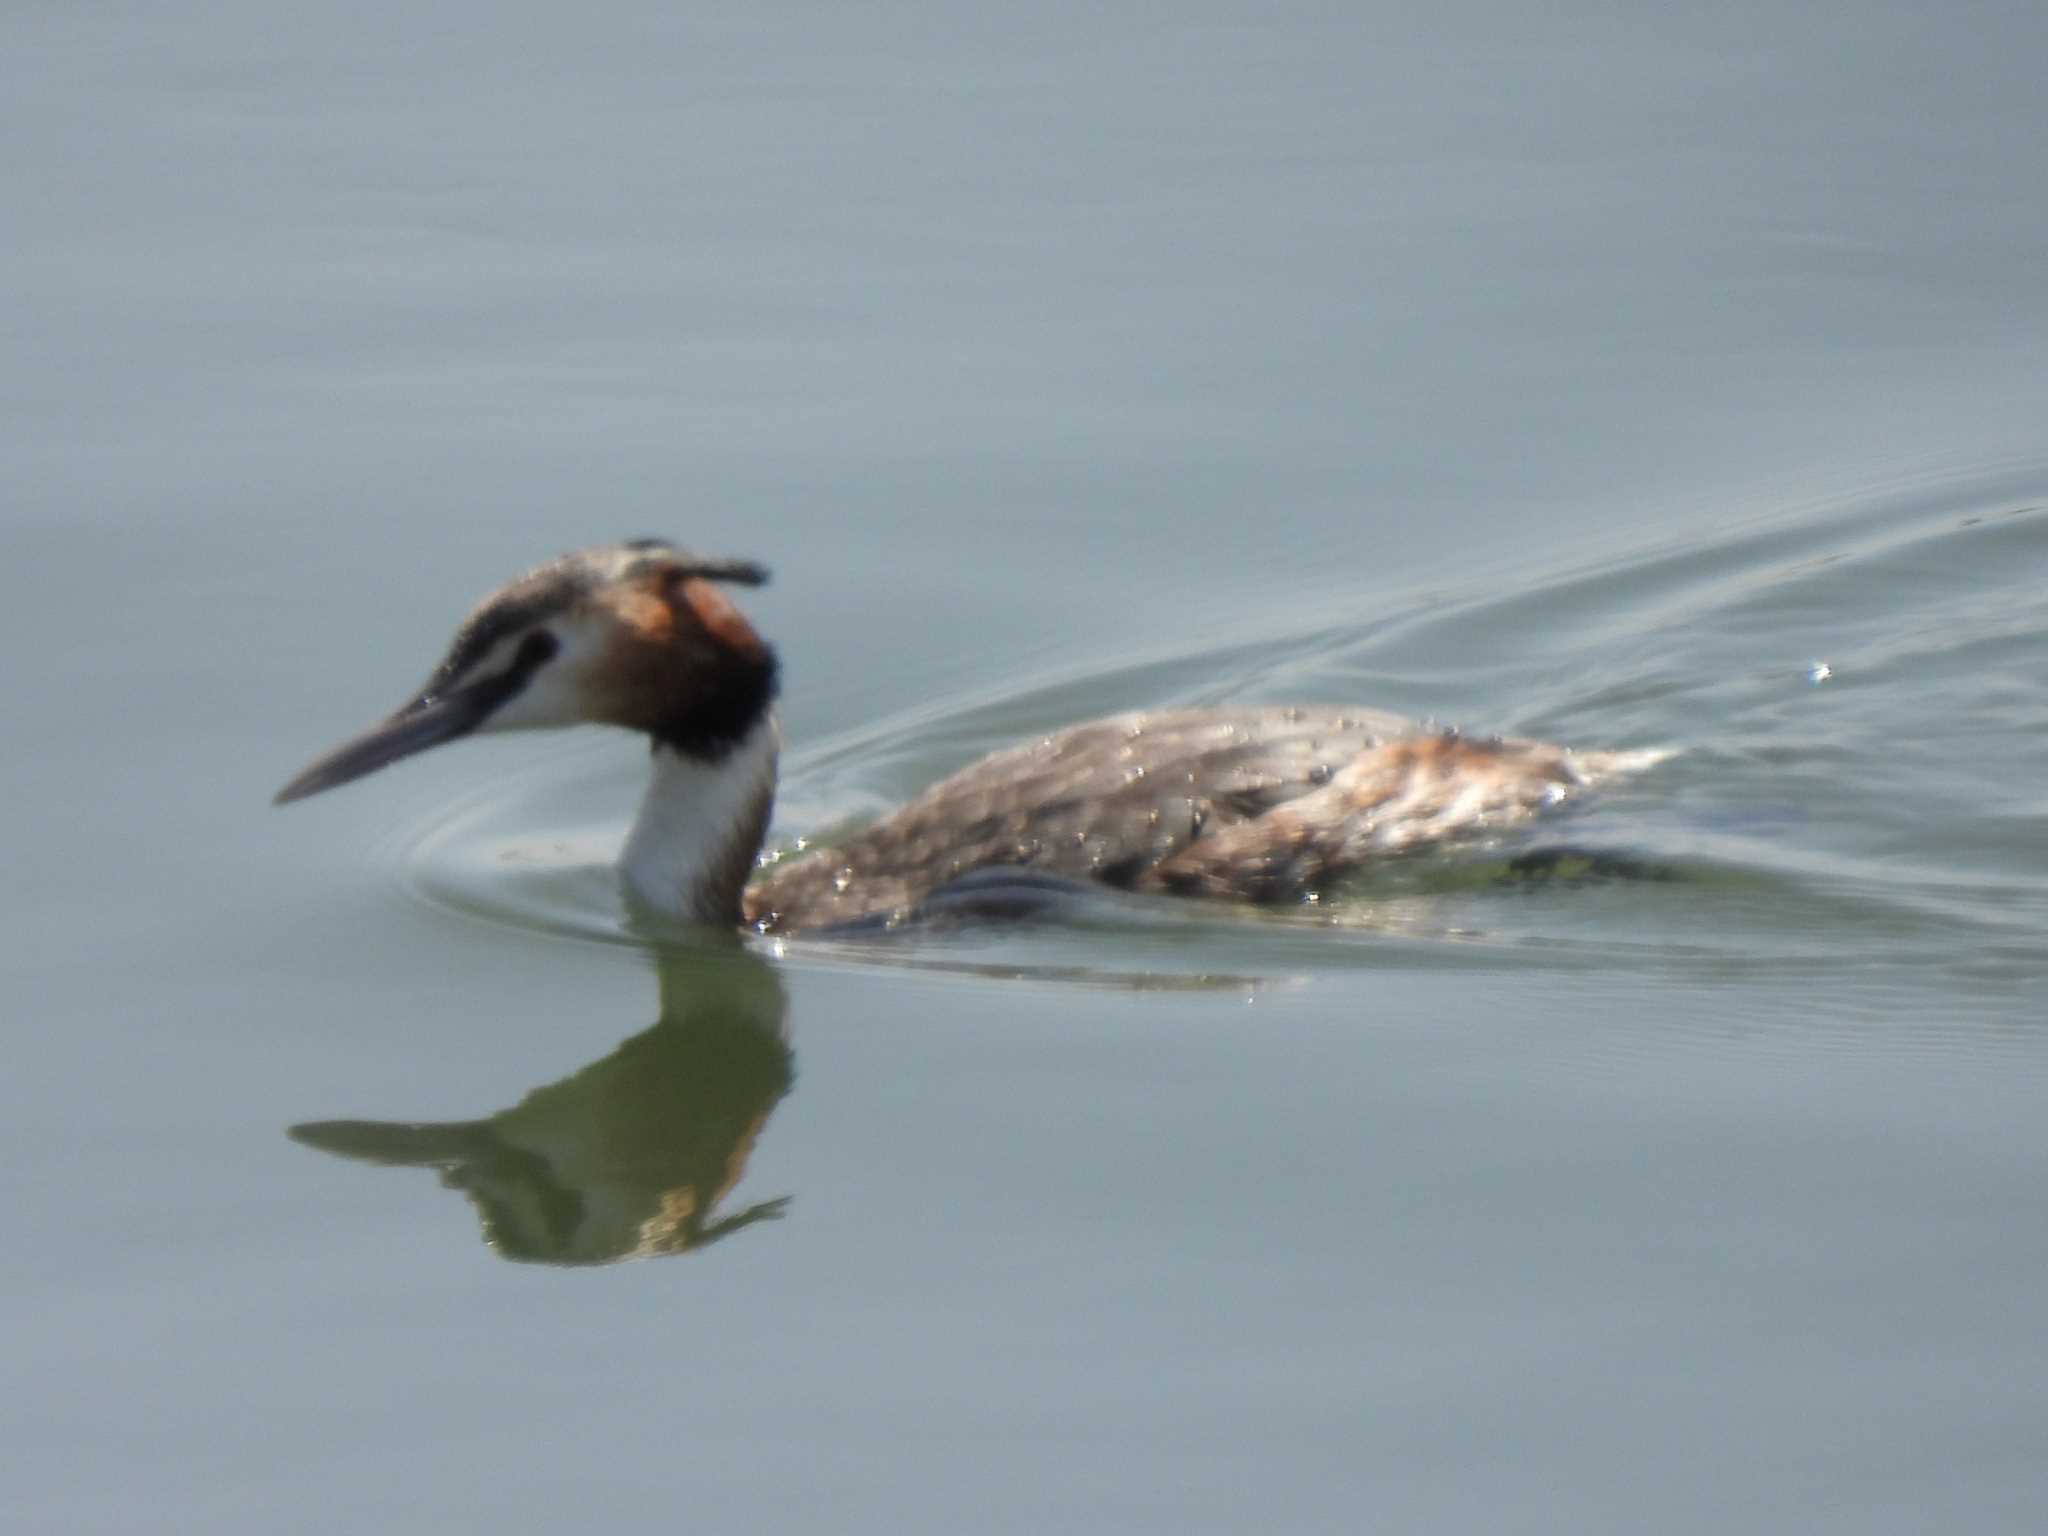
x=1658 y=382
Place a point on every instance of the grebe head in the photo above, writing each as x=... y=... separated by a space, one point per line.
x=631 y=634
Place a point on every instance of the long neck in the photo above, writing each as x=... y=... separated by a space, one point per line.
x=693 y=844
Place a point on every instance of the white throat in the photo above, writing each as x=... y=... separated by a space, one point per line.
x=693 y=844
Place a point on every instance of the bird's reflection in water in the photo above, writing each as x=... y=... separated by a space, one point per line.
x=633 y=1155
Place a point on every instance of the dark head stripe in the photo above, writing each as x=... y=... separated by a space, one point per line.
x=484 y=630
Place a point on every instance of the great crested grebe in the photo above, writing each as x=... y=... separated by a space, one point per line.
x=1262 y=805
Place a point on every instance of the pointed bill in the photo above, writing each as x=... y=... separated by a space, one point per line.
x=426 y=722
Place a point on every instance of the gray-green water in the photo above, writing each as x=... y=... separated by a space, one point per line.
x=1596 y=374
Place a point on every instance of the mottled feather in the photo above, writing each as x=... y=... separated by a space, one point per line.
x=1259 y=804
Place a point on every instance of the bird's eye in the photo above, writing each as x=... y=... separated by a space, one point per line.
x=535 y=651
